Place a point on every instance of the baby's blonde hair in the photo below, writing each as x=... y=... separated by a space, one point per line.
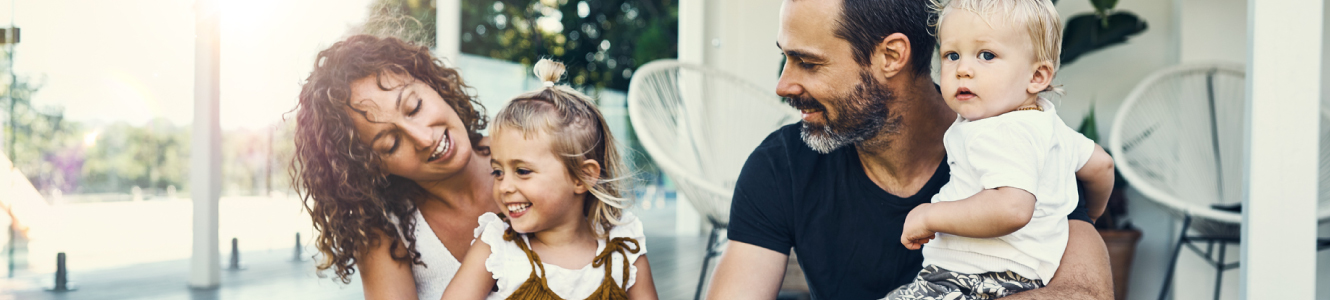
x=578 y=132
x=1040 y=18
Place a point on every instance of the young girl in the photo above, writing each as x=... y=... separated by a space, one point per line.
x=564 y=234
x=1000 y=222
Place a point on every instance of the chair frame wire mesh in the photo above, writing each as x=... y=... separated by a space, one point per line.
x=699 y=125
x=1159 y=176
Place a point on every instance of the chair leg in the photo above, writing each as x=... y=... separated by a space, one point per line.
x=1219 y=268
x=706 y=261
x=1173 y=263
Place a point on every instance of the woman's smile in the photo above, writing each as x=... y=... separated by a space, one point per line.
x=442 y=149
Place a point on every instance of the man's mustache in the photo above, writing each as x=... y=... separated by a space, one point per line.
x=804 y=102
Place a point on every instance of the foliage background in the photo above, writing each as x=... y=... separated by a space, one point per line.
x=601 y=41
x=65 y=157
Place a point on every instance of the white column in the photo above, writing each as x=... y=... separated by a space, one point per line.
x=448 y=31
x=205 y=161
x=692 y=31
x=687 y=222
x=692 y=49
x=1283 y=100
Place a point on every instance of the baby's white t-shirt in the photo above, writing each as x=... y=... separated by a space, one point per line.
x=1030 y=150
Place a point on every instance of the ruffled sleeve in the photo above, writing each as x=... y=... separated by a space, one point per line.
x=631 y=227
x=491 y=231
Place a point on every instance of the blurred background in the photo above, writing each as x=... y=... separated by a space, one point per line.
x=99 y=113
x=102 y=116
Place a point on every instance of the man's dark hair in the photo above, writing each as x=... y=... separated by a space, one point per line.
x=864 y=23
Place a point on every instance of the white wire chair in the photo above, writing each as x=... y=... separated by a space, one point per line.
x=699 y=125
x=1178 y=139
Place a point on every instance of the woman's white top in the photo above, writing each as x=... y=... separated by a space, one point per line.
x=440 y=265
x=510 y=266
x=1030 y=150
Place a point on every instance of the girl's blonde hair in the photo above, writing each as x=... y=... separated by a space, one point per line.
x=578 y=132
x=1039 y=17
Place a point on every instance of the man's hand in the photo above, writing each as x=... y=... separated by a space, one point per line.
x=916 y=232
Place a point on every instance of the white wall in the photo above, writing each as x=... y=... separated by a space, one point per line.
x=1212 y=30
x=741 y=39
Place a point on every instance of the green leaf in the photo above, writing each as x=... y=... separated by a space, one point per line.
x=1087 y=33
x=1104 y=5
x=1089 y=128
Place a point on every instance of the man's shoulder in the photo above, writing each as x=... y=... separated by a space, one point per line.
x=781 y=157
x=772 y=155
x=784 y=151
x=782 y=137
x=784 y=162
x=785 y=142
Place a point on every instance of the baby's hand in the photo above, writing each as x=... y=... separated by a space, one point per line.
x=916 y=233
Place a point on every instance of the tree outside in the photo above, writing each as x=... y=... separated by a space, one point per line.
x=66 y=157
x=601 y=41
x=45 y=145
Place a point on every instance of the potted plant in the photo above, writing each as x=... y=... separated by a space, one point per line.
x=1089 y=32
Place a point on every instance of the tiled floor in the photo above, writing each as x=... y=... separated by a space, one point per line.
x=675 y=260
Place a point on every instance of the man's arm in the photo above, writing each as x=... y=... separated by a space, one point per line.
x=1084 y=272
x=746 y=271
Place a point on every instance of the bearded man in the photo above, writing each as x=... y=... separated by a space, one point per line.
x=838 y=186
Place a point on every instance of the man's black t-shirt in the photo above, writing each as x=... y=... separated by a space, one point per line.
x=845 y=228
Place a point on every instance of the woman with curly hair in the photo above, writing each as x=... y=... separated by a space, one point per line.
x=391 y=166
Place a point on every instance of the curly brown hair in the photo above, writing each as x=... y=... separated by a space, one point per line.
x=349 y=195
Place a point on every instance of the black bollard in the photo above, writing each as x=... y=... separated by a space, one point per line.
x=297 y=257
x=235 y=254
x=61 y=275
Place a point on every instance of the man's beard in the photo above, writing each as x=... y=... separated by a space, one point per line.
x=860 y=116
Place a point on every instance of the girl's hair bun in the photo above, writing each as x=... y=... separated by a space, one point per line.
x=549 y=71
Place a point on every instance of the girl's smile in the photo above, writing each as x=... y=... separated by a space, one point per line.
x=531 y=184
